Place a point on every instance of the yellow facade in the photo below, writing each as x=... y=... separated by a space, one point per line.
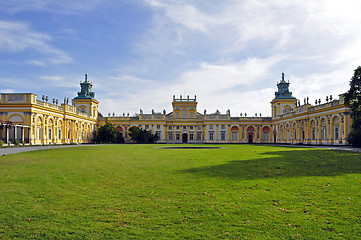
x=40 y=122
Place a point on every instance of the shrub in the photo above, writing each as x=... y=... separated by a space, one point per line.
x=1 y=143
x=16 y=142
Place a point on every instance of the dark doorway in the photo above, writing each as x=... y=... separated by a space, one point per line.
x=250 y=138
x=184 y=138
x=275 y=138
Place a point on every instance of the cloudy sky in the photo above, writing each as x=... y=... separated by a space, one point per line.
x=139 y=53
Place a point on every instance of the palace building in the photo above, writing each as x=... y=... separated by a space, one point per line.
x=33 y=121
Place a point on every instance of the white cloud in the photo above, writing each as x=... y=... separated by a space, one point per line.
x=8 y=90
x=19 y=37
x=216 y=86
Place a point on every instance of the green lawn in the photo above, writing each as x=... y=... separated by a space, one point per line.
x=144 y=192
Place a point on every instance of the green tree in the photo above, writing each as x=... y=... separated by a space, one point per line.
x=353 y=101
x=139 y=135
x=108 y=134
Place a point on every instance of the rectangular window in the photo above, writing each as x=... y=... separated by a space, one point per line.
x=223 y=127
x=313 y=134
x=210 y=126
x=234 y=136
x=177 y=127
x=191 y=127
x=177 y=115
x=199 y=136
x=211 y=136
x=223 y=135
x=170 y=127
x=199 y=127
x=146 y=126
x=158 y=126
x=158 y=133
x=191 y=115
x=265 y=136
x=59 y=133
x=191 y=137
x=170 y=136
x=177 y=136
x=323 y=133
x=336 y=132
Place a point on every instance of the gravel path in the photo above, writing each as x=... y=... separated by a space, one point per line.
x=12 y=150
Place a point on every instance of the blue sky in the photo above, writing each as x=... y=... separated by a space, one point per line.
x=139 y=53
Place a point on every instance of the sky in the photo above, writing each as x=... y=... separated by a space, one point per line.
x=139 y=53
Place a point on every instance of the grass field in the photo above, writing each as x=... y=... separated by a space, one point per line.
x=144 y=192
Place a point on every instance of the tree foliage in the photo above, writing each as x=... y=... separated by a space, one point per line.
x=139 y=135
x=353 y=101
x=108 y=134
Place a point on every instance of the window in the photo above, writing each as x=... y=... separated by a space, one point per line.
x=184 y=127
x=323 y=133
x=158 y=134
x=177 y=115
x=177 y=136
x=146 y=126
x=336 y=132
x=223 y=135
x=170 y=127
x=265 y=136
x=223 y=127
x=158 y=126
x=50 y=133
x=199 y=136
x=191 y=137
x=210 y=126
x=59 y=133
x=313 y=133
x=184 y=113
x=170 y=136
x=191 y=115
x=234 y=136
x=191 y=127
x=199 y=127
x=211 y=136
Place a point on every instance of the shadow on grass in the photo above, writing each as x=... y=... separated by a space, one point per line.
x=285 y=164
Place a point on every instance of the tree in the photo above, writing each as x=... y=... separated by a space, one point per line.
x=353 y=101
x=108 y=134
x=142 y=136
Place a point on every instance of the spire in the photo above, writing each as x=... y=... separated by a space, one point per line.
x=283 y=89
x=85 y=89
x=283 y=77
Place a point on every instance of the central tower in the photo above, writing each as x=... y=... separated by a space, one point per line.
x=184 y=108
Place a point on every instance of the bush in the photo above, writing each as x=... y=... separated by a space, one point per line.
x=108 y=134
x=16 y=142
x=1 y=143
